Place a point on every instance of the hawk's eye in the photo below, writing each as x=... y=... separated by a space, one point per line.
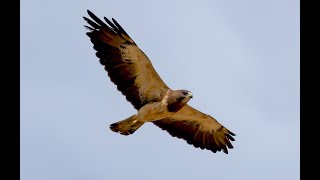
x=185 y=93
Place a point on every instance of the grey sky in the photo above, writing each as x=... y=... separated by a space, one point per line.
x=239 y=58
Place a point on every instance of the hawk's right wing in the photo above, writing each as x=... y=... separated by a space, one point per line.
x=198 y=129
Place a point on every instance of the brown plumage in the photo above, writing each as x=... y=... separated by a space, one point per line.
x=133 y=74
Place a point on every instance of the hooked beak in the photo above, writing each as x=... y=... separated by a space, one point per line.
x=190 y=94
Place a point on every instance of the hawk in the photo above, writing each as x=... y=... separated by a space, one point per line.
x=135 y=77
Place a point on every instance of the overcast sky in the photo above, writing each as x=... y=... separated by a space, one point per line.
x=239 y=58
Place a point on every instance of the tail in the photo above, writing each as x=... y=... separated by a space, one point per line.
x=127 y=126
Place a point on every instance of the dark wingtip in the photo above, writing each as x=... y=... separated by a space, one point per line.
x=89 y=12
x=229 y=145
x=96 y=19
x=119 y=27
x=230 y=137
x=91 y=23
x=233 y=134
x=110 y=24
x=225 y=151
x=90 y=28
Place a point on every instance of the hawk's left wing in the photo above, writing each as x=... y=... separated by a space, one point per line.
x=127 y=66
x=198 y=129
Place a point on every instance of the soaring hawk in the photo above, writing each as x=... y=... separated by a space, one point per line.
x=135 y=77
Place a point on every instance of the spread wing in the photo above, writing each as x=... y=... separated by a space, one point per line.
x=127 y=66
x=198 y=129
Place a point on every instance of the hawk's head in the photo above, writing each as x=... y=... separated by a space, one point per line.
x=183 y=95
x=178 y=99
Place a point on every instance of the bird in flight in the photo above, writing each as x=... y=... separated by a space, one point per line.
x=135 y=77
